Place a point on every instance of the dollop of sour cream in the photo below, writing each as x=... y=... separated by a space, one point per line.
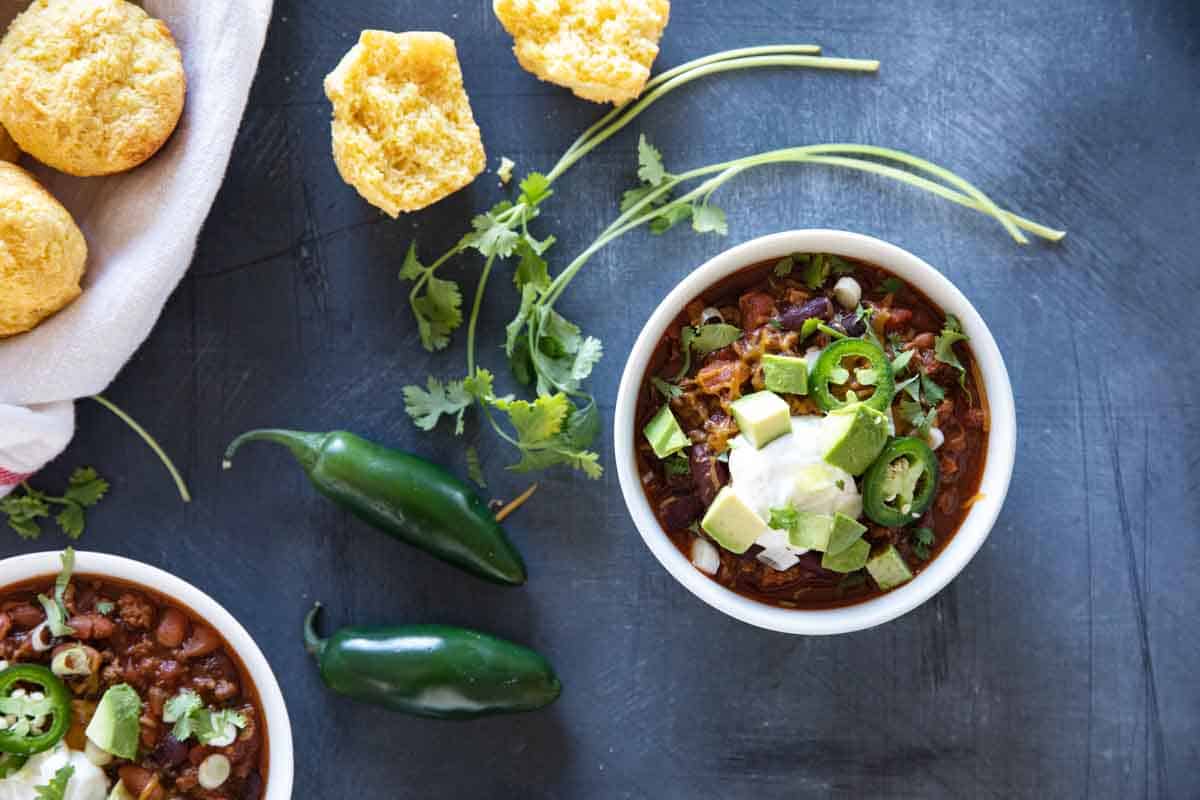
x=88 y=782
x=791 y=470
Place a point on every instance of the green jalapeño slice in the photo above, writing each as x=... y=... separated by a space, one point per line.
x=901 y=484
x=35 y=707
x=856 y=368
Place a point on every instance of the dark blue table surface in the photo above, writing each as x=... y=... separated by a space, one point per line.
x=1061 y=663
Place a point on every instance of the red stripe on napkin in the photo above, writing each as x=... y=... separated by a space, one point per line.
x=8 y=478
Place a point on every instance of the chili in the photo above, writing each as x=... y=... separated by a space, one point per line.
x=432 y=670
x=829 y=370
x=896 y=494
x=19 y=738
x=403 y=495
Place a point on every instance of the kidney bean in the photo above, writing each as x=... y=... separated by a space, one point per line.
x=793 y=318
x=708 y=474
x=202 y=642
x=172 y=628
x=850 y=324
x=91 y=626
x=170 y=752
x=678 y=511
x=24 y=615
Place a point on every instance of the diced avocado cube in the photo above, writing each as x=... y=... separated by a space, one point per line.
x=852 y=558
x=786 y=374
x=732 y=523
x=762 y=417
x=845 y=532
x=888 y=568
x=115 y=727
x=664 y=434
x=811 y=531
x=856 y=436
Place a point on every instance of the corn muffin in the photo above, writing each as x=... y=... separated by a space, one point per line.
x=90 y=87
x=602 y=50
x=403 y=132
x=42 y=252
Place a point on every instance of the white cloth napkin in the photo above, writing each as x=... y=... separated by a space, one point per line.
x=141 y=228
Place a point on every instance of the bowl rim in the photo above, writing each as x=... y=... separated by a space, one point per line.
x=1001 y=445
x=281 y=759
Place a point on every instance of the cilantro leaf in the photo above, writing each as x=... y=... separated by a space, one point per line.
x=538 y=421
x=922 y=542
x=890 y=285
x=934 y=393
x=71 y=520
x=708 y=218
x=534 y=189
x=785 y=518
x=412 y=268
x=532 y=269
x=56 y=789
x=426 y=406
x=551 y=431
x=669 y=391
x=704 y=340
x=900 y=362
x=943 y=346
x=438 y=309
x=86 y=487
x=784 y=266
x=670 y=216
x=475 y=467
x=586 y=357
x=23 y=511
x=911 y=387
x=916 y=416
x=494 y=236
x=179 y=710
x=677 y=464
x=650 y=163
x=713 y=336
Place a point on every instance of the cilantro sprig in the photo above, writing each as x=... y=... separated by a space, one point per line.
x=27 y=506
x=189 y=717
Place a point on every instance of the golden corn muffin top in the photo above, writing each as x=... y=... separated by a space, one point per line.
x=90 y=87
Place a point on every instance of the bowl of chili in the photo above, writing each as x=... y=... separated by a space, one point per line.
x=894 y=301
x=175 y=653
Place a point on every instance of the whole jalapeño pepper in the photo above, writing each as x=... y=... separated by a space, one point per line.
x=403 y=495
x=432 y=670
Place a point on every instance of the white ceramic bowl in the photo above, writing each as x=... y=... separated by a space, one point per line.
x=1001 y=444
x=279 y=730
